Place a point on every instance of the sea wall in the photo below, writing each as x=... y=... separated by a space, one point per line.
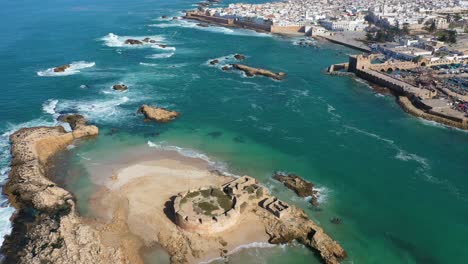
x=287 y=29
x=409 y=107
x=206 y=18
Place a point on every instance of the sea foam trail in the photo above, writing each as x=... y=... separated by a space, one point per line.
x=74 y=68
x=160 y=55
x=113 y=40
x=221 y=166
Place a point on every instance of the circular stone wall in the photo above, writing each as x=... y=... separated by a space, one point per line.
x=206 y=210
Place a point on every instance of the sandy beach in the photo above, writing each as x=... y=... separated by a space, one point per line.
x=135 y=203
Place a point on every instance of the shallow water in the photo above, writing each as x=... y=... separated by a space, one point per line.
x=398 y=183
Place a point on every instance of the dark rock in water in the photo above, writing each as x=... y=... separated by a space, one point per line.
x=335 y=220
x=75 y=120
x=120 y=87
x=251 y=71
x=239 y=57
x=215 y=134
x=148 y=40
x=61 y=68
x=214 y=62
x=226 y=68
x=202 y=25
x=238 y=140
x=175 y=18
x=163 y=16
x=300 y=186
x=162 y=46
x=133 y=42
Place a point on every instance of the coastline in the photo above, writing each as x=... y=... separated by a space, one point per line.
x=133 y=209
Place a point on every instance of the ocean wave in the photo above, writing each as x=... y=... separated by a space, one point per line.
x=74 y=68
x=331 y=110
x=149 y=64
x=211 y=28
x=439 y=125
x=160 y=55
x=102 y=110
x=221 y=166
x=113 y=40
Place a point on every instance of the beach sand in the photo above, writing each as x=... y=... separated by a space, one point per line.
x=134 y=204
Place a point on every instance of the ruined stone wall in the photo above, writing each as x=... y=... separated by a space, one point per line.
x=251 y=25
x=204 y=224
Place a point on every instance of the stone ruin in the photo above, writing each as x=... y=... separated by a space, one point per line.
x=206 y=210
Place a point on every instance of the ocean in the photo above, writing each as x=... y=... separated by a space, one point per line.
x=398 y=183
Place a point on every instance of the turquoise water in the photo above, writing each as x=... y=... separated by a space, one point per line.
x=398 y=183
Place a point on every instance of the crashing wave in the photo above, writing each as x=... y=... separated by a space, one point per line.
x=74 y=68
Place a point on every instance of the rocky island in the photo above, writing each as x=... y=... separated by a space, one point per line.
x=61 y=68
x=251 y=71
x=158 y=114
x=120 y=87
x=300 y=186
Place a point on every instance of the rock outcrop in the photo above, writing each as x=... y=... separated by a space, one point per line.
x=120 y=87
x=297 y=226
x=157 y=114
x=214 y=62
x=46 y=226
x=61 y=68
x=300 y=186
x=133 y=42
x=250 y=71
x=239 y=57
x=148 y=40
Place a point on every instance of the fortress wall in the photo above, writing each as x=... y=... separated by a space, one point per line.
x=250 y=25
x=206 y=224
x=287 y=29
x=201 y=17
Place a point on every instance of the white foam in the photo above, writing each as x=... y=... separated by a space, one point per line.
x=74 y=68
x=148 y=64
x=193 y=154
x=113 y=40
x=211 y=28
x=160 y=55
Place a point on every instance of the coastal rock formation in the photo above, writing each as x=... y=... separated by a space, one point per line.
x=120 y=87
x=61 y=68
x=239 y=57
x=162 y=46
x=148 y=40
x=214 y=62
x=226 y=68
x=133 y=42
x=46 y=227
x=300 y=186
x=250 y=71
x=157 y=114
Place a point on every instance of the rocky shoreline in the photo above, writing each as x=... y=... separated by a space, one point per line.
x=300 y=186
x=251 y=71
x=48 y=229
x=46 y=226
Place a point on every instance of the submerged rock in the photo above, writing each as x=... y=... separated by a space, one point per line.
x=250 y=71
x=214 y=62
x=120 y=87
x=226 y=68
x=61 y=68
x=215 y=134
x=157 y=114
x=300 y=186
